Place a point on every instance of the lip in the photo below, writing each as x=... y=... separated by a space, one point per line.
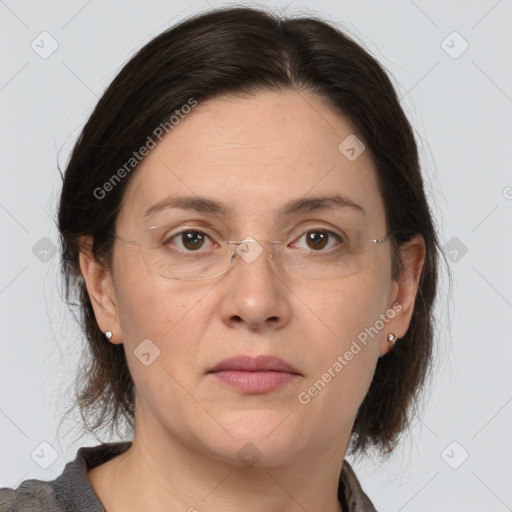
x=263 y=363
x=254 y=375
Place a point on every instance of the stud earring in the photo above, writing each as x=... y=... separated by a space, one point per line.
x=392 y=338
x=108 y=334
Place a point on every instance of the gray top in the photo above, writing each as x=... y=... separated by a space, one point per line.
x=72 y=491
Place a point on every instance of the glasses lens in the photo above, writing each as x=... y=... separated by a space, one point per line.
x=189 y=254
x=192 y=254
x=342 y=262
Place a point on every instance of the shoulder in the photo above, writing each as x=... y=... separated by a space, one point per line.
x=29 y=496
x=69 y=492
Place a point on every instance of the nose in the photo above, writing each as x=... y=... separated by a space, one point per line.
x=254 y=294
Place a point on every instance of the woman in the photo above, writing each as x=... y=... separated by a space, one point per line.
x=244 y=225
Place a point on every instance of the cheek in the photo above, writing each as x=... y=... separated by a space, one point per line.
x=148 y=305
x=344 y=352
x=344 y=311
x=165 y=312
x=161 y=343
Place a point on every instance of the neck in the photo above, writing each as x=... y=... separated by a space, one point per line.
x=171 y=475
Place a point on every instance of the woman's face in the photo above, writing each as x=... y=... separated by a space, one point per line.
x=253 y=156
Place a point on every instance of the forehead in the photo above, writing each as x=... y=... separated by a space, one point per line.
x=254 y=155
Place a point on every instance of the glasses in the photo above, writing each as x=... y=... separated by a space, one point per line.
x=195 y=253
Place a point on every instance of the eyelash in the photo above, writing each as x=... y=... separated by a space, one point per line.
x=340 y=238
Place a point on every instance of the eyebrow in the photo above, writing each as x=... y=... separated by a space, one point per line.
x=296 y=206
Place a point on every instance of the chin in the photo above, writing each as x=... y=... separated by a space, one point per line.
x=250 y=452
x=267 y=436
x=256 y=423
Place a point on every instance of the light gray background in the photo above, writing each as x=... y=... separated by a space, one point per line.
x=460 y=105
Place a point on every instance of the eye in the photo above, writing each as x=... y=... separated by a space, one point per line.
x=318 y=239
x=189 y=240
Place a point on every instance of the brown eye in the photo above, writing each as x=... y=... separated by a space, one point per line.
x=193 y=239
x=319 y=239
x=190 y=240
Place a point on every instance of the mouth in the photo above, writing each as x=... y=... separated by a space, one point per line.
x=254 y=375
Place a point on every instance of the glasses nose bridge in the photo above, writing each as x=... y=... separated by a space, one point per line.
x=250 y=249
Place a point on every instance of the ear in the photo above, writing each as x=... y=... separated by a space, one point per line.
x=405 y=290
x=98 y=280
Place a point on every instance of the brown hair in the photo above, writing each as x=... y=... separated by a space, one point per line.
x=240 y=50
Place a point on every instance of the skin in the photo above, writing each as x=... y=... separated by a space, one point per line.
x=253 y=155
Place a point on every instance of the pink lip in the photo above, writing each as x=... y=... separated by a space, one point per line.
x=254 y=364
x=254 y=374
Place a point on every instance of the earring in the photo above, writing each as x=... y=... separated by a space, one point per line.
x=392 y=338
x=108 y=334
